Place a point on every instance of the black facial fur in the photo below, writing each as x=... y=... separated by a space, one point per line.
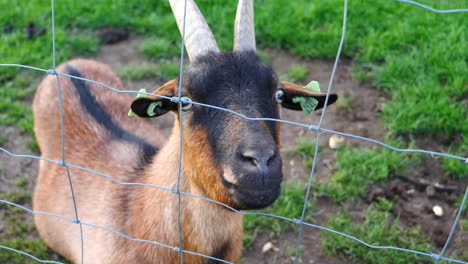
x=103 y=118
x=238 y=81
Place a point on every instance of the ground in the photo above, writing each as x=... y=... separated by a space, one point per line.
x=357 y=113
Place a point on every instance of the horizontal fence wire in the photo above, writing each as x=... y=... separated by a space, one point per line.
x=318 y=128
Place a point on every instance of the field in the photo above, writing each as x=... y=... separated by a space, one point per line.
x=401 y=80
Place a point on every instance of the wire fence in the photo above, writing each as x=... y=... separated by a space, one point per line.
x=299 y=221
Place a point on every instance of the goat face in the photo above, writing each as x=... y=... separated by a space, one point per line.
x=246 y=151
x=234 y=160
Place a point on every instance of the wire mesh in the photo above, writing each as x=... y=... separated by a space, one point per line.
x=317 y=128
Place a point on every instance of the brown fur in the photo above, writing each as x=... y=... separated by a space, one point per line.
x=137 y=211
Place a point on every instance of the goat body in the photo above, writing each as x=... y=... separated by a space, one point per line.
x=98 y=137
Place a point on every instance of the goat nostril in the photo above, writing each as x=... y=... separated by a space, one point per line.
x=258 y=159
x=251 y=160
x=270 y=159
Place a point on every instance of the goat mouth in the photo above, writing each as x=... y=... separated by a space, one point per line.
x=248 y=197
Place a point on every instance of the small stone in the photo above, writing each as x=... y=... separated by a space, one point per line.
x=267 y=247
x=430 y=191
x=411 y=191
x=336 y=141
x=437 y=210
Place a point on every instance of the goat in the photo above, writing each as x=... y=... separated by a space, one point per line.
x=225 y=157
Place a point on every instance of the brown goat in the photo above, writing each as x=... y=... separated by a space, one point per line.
x=225 y=157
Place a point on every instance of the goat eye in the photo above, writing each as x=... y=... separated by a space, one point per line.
x=279 y=96
x=186 y=103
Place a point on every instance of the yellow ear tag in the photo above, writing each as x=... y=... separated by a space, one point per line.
x=139 y=95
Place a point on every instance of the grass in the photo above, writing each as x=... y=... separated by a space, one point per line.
x=305 y=150
x=159 y=48
x=13 y=111
x=19 y=233
x=21 y=181
x=375 y=165
x=456 y=168
x=377 y=227
x=165 y=70
x=17 y=236
x=297 y=74
x=289 y=204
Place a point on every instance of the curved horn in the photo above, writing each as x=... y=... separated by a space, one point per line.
x=198 y=36
x=244 y=29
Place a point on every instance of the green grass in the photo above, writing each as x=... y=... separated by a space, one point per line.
x=13 y=111
x=297 y=74
x=289 y=204
x=453 y=167
x=159 y=48
x=165 y=70
x=305 y=150
x=357 y=168
x=19 y=232
x=21 y=181
x=376 y=227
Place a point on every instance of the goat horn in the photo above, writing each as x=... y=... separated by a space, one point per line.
x=244 y=29
x=198 y=36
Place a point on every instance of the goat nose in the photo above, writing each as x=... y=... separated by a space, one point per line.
x=258 y=166
x=259 y=159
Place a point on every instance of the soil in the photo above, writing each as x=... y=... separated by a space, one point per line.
x=359 y=115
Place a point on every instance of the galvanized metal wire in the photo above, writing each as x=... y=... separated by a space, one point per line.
x=318 y=128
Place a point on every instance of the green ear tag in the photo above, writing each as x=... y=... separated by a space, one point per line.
x=308 y=104
x=314 y=86
x=139 y=95
x=150 y=111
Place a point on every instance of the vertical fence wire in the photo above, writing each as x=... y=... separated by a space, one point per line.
x=454 y=226
x=179 y=165
x=318 y=129
x=62 y=133
x=317 y=143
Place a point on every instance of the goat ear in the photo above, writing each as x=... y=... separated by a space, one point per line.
x=153 y=106
x=291 y=90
